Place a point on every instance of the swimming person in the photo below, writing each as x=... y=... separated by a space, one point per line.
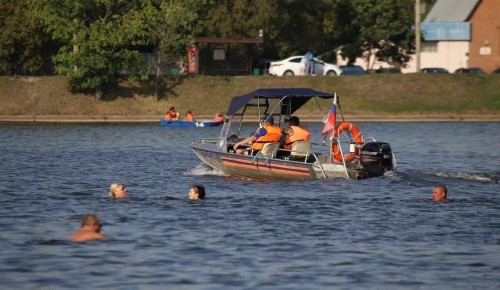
x=196 y=192
x=90 y=230
x=439 y=193
x=117 y=190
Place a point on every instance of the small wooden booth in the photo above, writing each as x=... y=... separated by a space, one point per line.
x=222 y=56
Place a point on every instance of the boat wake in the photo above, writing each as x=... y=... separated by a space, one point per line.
x=495 y=178
x=416 y=176
x=204 y=170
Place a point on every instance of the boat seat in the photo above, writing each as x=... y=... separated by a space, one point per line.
x=300 y=150
x=268 y=151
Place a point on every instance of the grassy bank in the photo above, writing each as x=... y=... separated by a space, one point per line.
x=448 y=96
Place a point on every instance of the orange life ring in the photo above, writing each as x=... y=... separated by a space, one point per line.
x=356 y=135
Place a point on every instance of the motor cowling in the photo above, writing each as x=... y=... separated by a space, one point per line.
x=376 y=157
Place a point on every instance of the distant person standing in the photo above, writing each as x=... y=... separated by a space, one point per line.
x=90 y=230
x=439 y=193
x=309 y=63
x=183 y=68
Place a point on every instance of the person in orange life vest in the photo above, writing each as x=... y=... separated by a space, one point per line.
x=218 y=118
x=190 y=116
x=171 y=115
x=295 y=132
x=266 y=134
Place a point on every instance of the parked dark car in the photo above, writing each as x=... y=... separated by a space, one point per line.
x=434 y=70
x=352 y=70
x=388 y=70
x=470 y=70
x=497 y=71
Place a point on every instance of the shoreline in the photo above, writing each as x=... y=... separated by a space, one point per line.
x=155 y=118
x=375 y=98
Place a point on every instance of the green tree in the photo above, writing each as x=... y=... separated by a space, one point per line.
x=24 y=47
x=239 y=19
x=378 y=30
x=290 y=26
x=305 y=25
x=99 y=39
x=171 y=23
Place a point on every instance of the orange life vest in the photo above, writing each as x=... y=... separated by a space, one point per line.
x=299 y=134
x=171 y=116
x=273 y=135
x=190 y=117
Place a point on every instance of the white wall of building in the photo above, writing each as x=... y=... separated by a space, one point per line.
x=450 y=55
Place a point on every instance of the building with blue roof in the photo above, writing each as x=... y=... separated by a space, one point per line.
x=461 y=34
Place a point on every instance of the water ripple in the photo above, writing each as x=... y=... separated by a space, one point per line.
x=381 y=233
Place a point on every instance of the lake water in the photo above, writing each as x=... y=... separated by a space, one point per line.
x=379 y=233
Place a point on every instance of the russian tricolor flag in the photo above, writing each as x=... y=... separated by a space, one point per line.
x=331 y=118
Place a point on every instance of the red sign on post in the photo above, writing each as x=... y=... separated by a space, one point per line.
x=193 y=59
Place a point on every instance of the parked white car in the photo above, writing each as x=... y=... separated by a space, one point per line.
x=292 y=66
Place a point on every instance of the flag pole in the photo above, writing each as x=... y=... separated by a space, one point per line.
x=330 y=120
x=324 y=139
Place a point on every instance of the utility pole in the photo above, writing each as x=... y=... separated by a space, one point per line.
x=417 y=35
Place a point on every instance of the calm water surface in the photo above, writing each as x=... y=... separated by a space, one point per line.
x=380 y=233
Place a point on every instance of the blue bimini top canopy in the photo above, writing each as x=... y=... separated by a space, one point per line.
x=296 y=97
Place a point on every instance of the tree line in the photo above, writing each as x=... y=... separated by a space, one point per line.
x=92 y=41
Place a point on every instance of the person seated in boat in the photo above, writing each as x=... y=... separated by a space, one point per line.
x=439 y=193
x=117 y=190
x=171 y=114
x=218 y=118
x=90 y=230
x=196 y=192
x=295 y=132
x=265 y=134
x=189 y=116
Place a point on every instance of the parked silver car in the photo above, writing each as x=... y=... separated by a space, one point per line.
x=294 y=66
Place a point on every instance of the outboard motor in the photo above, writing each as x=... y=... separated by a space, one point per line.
x=376 y=158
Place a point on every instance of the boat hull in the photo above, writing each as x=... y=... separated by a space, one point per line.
x=183 y=123
x=271 y=169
